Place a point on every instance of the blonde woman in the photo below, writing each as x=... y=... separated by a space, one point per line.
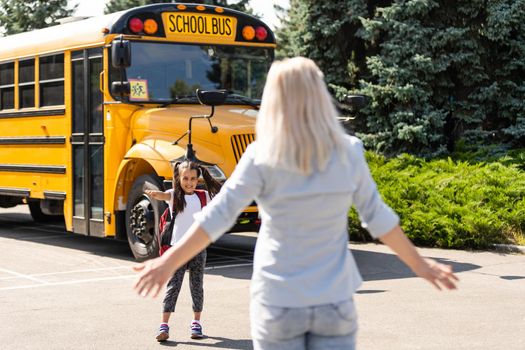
x=305 y=173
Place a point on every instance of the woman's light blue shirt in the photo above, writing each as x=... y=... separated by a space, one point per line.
x=302 y=256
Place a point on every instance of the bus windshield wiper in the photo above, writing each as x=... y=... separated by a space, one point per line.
x=180 y=99
x=186 y=98
x=169 y=102
x=244 y=99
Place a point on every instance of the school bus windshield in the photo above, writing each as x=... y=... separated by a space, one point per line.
x=170 y=73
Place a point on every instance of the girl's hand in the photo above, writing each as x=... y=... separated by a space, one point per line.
x=152 y=193
x=440 y=275
x=153 y=275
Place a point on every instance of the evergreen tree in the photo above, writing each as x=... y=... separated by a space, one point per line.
x=323 y=31
x=447 y=70
x=437 y=71
x=119 y=5
x=18 y=16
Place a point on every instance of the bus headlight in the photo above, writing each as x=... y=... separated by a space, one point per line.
x=215 y=172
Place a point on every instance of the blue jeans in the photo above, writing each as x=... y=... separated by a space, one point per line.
x=330 y=326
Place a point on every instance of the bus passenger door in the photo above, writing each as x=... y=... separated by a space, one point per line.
x=87 y=142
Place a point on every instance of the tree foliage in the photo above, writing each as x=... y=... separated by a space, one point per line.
x=18 y=16
x=437 y=71
x=119 y=5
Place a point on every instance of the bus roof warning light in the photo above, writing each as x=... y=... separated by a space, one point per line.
x=248 y=33
x=135 y=25
x=261 y=33
x=150 y=26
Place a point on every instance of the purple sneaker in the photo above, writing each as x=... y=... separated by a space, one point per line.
x=164 y=333
x=196 y=331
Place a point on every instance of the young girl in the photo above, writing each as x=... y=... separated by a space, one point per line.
x=185 y=200
x=305 y=173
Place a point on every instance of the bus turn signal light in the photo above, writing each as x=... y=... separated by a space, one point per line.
x=248 y=33
x=261 y=33
x=150 y=26
x=136 y=25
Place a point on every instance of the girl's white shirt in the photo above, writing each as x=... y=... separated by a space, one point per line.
x=185 y=219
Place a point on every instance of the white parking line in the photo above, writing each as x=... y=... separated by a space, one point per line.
x=68 y=282
x=35 y=238
x=226 y=266
x=67 y=272
x=50 y=284
x=29 y=277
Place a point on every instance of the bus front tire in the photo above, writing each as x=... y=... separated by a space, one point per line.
x=142 y=217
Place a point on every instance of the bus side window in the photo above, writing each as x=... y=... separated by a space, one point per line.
x=52 y=80
x=26 y=83
x=7 y=85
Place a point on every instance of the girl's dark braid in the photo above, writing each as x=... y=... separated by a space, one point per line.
x=212 y=185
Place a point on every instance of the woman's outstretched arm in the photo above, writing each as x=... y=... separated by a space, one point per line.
x=440 y=275
x=155 y=273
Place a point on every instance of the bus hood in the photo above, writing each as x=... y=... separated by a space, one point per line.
x=171 y=123
x=174 y=120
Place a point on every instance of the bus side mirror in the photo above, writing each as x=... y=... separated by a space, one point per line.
x=120 y=53
x=357 y=101
x=212 y=98
x=120 y=88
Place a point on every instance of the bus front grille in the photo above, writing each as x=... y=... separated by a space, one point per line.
x=239 y=144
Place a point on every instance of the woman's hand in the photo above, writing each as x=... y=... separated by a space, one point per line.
x=153 y=275
x=440 y=275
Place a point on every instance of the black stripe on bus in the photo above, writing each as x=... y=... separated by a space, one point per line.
x=49 y=169
x=44 y=113
x=35 y=140
x=19 y=192
x=54 y=195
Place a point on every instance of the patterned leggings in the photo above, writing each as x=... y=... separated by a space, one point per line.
x=196 y=268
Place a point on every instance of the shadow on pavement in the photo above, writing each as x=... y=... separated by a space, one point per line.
x=21 y=226
x=376 y=266
x=240 y=272
x=222 y=343
x=372 y=265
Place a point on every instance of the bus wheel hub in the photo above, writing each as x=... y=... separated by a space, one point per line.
x=143 y=221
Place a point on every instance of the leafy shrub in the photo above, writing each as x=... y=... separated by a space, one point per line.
x=451 y=204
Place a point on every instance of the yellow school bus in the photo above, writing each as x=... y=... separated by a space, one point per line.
x=90 y=111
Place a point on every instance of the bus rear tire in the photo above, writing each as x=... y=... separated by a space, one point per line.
x=38 y=215
x=142 y=218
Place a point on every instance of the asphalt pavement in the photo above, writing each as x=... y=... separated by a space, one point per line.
x=64 y=291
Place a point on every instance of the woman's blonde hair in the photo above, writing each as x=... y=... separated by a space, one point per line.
x=297 y=127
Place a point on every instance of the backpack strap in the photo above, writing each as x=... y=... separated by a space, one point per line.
x=202 y=197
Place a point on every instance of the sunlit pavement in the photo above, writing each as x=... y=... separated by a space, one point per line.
x=63 y=291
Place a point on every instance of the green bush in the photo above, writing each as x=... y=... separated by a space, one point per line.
x=451 y=204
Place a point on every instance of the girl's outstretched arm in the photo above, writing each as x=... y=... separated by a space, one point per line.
x=158 y=195
x=440 y=275
x=153 y=274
